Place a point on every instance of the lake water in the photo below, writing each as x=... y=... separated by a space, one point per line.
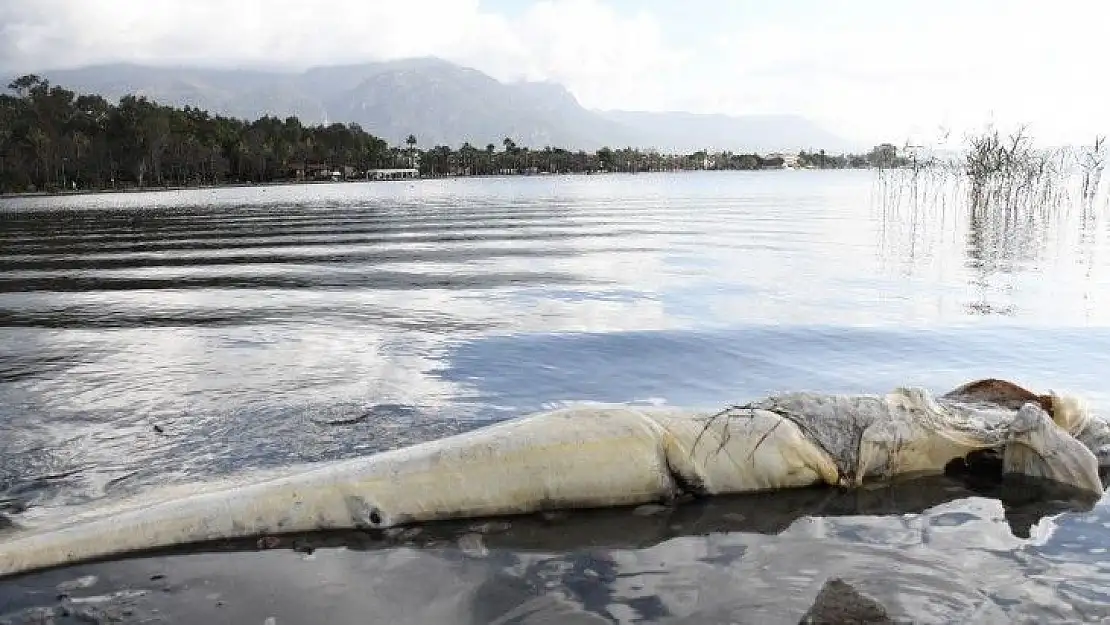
x=162 y=337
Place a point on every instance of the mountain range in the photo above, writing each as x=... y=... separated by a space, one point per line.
x=442 y=103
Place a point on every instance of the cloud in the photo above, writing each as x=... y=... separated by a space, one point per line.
x=874 y=70
x=603 y=55
x=218 y=32
x=892 y=68
x=606 y=58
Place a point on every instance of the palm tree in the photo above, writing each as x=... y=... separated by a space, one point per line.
x=510 y=150
x=411 y=142
x=467 y=156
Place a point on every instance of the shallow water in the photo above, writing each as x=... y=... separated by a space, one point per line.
x=151 y=338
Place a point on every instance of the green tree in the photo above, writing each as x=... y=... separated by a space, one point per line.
x=52 y=138
x=411 y=142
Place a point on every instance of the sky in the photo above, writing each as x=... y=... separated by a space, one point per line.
x=868 y=70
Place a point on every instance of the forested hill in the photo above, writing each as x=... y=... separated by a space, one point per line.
x=52 y=138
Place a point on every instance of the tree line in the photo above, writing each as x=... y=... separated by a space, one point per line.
x=52 y=138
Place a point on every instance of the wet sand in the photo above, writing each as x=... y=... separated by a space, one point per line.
x=737 y=559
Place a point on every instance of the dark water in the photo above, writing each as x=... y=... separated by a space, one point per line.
x=149 y=338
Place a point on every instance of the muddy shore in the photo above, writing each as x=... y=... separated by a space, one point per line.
x=735 y=559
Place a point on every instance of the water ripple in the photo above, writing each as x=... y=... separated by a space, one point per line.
x=165 y=337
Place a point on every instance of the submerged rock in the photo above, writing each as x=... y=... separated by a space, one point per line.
x=86 y=581
x=472 y=545
x=650 y=509
x=491 y=527
x=268 y=542
x=554 y=516
x=839 y=603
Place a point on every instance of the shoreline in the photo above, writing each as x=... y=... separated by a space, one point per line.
x=571 y=564
x=291 y=183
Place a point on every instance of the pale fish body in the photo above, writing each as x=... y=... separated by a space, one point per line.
x=572 y=458
x=578 y=458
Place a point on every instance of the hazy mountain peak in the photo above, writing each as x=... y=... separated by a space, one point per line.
x=442 y=103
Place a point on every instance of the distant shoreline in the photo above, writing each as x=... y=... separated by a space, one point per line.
x=166 y=189
x=292 y=183
x=59 y=138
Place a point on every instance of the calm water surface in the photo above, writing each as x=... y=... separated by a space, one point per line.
x=152 y=338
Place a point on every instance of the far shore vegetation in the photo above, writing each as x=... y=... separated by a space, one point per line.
x=54 y=140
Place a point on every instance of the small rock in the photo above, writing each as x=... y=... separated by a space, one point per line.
x=269 y=542
x=651 y=509
x=471 y=545
x=33 y=615
x=838 y=602
x=94 y=616
x=11 y=505
x=86 y=581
